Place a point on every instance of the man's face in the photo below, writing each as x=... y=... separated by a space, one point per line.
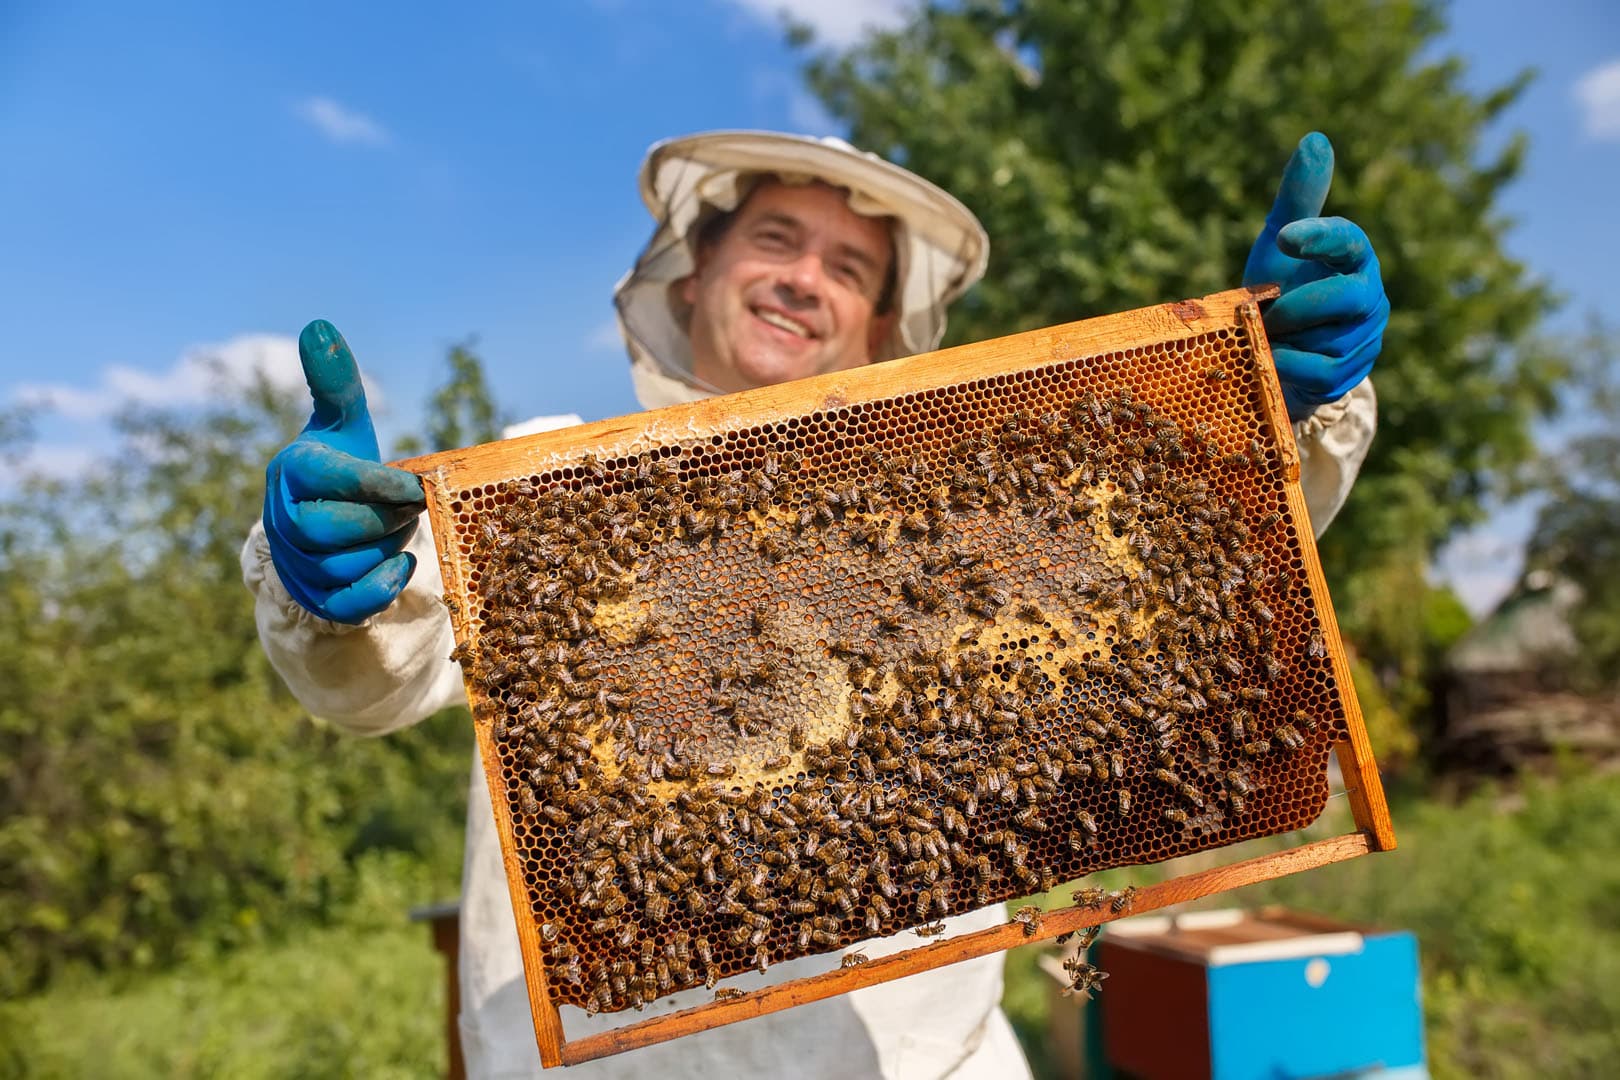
x=789 y=290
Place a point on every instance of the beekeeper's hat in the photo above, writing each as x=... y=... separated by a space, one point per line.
x=940 y=246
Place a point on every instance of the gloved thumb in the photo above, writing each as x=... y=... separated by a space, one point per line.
x=1302 y=193
x=1305 y=182
x=334 y=382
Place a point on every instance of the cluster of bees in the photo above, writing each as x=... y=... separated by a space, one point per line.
x=1071 y=659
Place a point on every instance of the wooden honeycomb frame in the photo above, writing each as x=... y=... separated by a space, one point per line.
x=1118 y=344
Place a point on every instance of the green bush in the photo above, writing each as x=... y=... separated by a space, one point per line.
x=160 y=790
x=349 y=1002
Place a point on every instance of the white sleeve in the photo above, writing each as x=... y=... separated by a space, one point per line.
x=386 y=673
x=1332 y=443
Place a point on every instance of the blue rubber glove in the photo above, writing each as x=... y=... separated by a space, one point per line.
x=338 y=519
x=1327 y=327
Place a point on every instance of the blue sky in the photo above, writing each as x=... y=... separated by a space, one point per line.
x=185 y=180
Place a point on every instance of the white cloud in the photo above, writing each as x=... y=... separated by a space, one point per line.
x=192 y=379
x=839 y=23
x=1598 y=94
x=55 y=461
x=200 y=374
x=341 y=124
x=197 y=376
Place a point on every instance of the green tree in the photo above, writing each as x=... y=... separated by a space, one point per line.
x=1124 y=154
x=159 y=788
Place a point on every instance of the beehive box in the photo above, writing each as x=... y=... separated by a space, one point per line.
x=1259 y=994
x=770 y=674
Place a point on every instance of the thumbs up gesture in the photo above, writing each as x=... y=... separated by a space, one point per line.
x=338 y=519
x=1327 y=327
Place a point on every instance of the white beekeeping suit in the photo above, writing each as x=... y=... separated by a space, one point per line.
x=393 y=670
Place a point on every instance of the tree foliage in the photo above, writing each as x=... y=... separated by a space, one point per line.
x=1123 y=154
x=159 y=788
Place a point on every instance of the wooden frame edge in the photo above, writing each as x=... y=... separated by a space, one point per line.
x=548 y=1029
x=770 y=999
x=444 y=473
x=1362 y=782
x=677 y=423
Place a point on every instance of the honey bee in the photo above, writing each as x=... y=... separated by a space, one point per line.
x=772 y=548
x=995 y=595
x=1237 y=782
x=1315 y=646
x=1238 y=725
x=1289 y=736
x=929 y=930
x=727 y=993
x=851 y=959
x=766 y=671
x=1089 y=897
x=1029 y=917
x=1123 y=801
x=1084 y=978
x=1122 y=900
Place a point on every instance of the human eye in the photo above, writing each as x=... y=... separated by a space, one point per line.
x=773 y=238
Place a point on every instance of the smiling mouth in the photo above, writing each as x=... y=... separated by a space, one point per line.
x=782 y=322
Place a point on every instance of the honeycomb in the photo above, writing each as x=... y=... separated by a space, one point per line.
x=780 y=689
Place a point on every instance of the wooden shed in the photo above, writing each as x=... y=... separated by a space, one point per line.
x=1508 y=698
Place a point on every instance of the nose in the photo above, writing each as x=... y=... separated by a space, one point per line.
x=804 y=278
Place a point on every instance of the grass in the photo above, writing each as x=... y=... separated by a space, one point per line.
x=344 y=1002
x=1515 y=899
x=364 y=998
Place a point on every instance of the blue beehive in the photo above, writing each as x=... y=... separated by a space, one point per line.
x=1234 y=995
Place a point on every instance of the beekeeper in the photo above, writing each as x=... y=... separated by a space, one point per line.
x=774 y=257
